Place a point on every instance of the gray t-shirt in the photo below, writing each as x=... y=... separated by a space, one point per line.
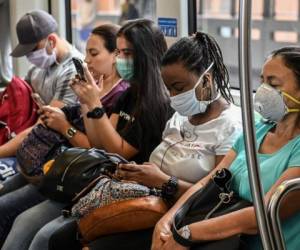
x=53 y=83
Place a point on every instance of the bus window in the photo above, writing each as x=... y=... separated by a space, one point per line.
x=87 y=14
x=273 y=26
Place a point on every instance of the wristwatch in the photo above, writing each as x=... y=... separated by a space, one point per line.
x=183 y=236
x=71 y=131
x=169 y=189
x=96 y=113
x=185 y=232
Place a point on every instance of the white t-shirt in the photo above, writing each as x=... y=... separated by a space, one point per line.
x=188 y=152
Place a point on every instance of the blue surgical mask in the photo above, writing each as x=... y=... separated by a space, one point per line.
x=125 y=68
x=41 y=58
x=187 y=103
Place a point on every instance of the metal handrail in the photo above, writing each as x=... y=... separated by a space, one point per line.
x=248 y=123
x=273 y=209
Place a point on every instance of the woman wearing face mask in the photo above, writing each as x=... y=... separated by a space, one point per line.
x=133 y=129
x=278 y=140
x=195 y=139
x=100 y=59
x=68 y=121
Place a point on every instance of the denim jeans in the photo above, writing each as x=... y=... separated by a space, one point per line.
x=28 y=223
x=59 y=234
x=14 y=203
x=12 y=183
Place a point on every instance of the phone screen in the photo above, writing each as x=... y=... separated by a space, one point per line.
x=79 y=68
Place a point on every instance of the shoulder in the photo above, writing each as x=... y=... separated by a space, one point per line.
x=229 y=122
x=232 y=114
x=67 y=63
x=124 y=101
x=125 y=96
x=119 y=89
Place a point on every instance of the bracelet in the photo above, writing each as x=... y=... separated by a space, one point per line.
x=169 y=189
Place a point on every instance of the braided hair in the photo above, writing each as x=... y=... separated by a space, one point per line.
x=197 y=53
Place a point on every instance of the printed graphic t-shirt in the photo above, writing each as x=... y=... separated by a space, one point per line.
x=188 y=152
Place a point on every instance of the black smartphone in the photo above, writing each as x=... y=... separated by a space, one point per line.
x=38 y=100
x=79 y=68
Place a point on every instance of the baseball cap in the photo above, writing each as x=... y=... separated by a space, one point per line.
x=32 y=28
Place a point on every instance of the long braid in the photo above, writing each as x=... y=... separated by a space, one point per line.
x=213 y=53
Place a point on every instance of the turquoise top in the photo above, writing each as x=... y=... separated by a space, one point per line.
x=272 y=167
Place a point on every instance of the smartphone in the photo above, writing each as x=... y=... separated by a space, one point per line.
x=79 y=68
x=38 y=100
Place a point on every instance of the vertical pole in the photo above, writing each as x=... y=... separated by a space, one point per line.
x=68 y=20
x=248 y=123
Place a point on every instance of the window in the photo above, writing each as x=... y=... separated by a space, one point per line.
x=286 y=10
x=272 y=27
x=87 y=14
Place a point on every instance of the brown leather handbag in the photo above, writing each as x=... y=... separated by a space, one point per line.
x=122 y=216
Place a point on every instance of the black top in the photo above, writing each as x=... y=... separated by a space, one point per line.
x=137 y=134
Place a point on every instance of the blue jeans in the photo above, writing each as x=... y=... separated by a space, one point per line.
x=14 y=203
x=12 y=183
x=44 y=238
x=28 y=223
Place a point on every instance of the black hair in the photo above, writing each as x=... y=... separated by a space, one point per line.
x=108 y=32
x=151 y=98
x=196 y=53
x=291 y=58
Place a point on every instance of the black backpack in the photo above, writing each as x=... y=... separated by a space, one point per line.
x=75 y=171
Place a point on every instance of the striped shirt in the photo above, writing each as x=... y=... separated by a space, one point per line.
x=53 y=83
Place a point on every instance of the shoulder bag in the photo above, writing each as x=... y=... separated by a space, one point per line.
x=115 y=206
x=214 y=199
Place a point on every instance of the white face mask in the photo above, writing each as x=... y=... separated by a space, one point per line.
x=269 y=102
x=187 y=103
x=41 y=58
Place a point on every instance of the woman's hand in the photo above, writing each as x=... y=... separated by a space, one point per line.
x=147 y=174
x=170 y=243
x=161 y=231
x=54 y=118
x=88 y=92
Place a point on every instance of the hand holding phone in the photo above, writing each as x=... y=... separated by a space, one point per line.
x=38 y=100
x=79 y=68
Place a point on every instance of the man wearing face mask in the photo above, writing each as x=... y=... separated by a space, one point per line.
x=52 y=68
x=50 y=55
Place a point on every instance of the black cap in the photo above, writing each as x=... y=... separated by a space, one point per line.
x=31 y=29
